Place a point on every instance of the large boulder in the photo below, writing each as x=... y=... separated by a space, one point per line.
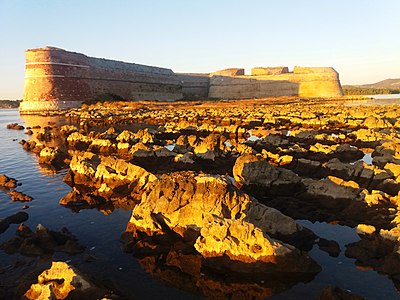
x=53 y=157
x=207 y=210
x=261 y=178
x=7 y=182
x=61 y=281
x=108 y=177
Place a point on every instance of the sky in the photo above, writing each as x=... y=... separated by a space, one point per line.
x=359 y=38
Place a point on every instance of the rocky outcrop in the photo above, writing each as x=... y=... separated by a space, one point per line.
x=105 y=178
x=53 y=157
x=42 y=242
x=63 y=281
x=7 y=182
x=16 y=218
x=261 y=178
x=217 y=218
x=18 y=196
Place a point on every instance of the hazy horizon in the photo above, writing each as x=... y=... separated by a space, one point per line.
x=357 y=38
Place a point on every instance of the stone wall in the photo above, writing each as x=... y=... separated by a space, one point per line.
x=57 y=79
x=302 y=82
x=194 y=86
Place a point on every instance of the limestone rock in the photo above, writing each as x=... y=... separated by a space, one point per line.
x=332 y=192
x=7 y=182
x=18 y=196
x=364 y=229
x=209 y=206
x=52 y=156
x=239 y=240
x=58 y=282
x=108 y=177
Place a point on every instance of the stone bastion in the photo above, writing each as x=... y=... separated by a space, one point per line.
x=56 y=79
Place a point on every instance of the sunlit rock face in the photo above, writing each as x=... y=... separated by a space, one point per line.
x=104 y=179
x=62 y=281
x=218 y=219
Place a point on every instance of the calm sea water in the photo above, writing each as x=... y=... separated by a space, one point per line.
x=100 y=233
x=376 y=100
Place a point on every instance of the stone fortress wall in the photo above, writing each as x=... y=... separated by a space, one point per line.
x=57 y=79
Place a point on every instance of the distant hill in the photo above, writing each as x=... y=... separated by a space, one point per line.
x=9 y=103
x=387 y=86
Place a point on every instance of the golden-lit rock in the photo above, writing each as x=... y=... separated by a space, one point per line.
x=58 y=282
x=365 y=229
x=239 y=240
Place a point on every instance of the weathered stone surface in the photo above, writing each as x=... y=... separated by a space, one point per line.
x=7 y=182
x=18 y=196
x=332 y=192
x=42 y=242
x=15 y=126
x=108 y=177
x=52 y=156
x=219 y=219
x=63 y=281
x=259 y=177
x=16 y=218
x=336 y=293
x=238 y=240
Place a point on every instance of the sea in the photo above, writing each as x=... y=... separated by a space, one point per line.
x=100 y=233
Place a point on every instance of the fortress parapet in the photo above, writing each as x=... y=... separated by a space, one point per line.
x=56 y=79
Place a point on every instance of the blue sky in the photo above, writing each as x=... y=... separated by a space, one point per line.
x=359 y=38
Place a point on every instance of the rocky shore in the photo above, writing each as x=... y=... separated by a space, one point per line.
x=218 y=186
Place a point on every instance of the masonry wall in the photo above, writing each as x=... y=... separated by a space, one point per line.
x=194 y=86
x=58 y=79
x=302 y=82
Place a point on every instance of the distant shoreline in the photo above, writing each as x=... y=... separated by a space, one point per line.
x=9 y=103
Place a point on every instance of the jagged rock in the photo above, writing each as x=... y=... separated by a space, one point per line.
x=239 y=240
x=62 y=281
x=374 y=122
x=192 y=205
x=7 y=182
x=78 y=141
x=126 y=136
x=52 y=156
x=331 y=247
x=210 y=147
x=332 y=192
x=141 y=150
x=347 y=153
x=16 y=218
x=364 y=229
x=260 y=178
x=187 y=158
x=31 y=146
x=66 y=130
x=108 y=177
x=18 y=196
x=144 y=136
x=41 y=242
x=15 y=126
x=336 y=293
x=102 y=146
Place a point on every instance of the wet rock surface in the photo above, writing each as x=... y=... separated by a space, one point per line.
x=63 y=281
x=41 y=242
x=219 y=186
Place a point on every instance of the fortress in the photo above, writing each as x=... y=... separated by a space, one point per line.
x=56 y=79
